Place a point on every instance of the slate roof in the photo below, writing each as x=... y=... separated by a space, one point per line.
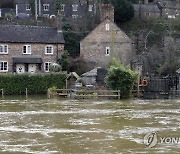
x=30 y=34
x=146 y=8
x=178 y=71
x=91 y=73
x=27 y=60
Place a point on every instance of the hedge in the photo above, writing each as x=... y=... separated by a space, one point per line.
x=14 y=84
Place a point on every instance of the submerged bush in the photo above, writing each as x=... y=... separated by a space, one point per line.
x=14 y=84
x=120 y=78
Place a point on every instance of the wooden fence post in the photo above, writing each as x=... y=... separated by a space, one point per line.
x=2 y=90
x=119 y=94
x=26 y=93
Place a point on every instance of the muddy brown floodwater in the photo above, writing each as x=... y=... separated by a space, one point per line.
x=41 y=126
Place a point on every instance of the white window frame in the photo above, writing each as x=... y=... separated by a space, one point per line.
x=75 y=8
x=47 y=47
x=107 y=27
x=147 y=14
x=28 y=7
x=108 y=50
x=28 y=49
x=46 y=15
x=74 y=16
x=47 y=63
x=3 y=68
x=90 y=8
x=46 y=7
x=3 y=49
x=62 y=7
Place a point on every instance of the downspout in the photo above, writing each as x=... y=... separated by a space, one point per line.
x=39 y=7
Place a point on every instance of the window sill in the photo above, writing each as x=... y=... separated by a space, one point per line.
x=26 y=53
x=3 y=71
x=3 y=53
x=48 y=53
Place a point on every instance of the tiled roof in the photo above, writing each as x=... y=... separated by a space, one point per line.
x=91 y=72
x=30 y=34
x=146 y=8
x=178 y=71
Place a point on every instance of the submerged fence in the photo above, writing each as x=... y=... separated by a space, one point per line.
x=162 y=88
x=83 y=94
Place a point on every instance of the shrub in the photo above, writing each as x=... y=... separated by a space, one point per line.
x=14 y=84
x=120 y=78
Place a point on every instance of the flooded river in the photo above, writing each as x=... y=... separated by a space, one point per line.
x=41 y=126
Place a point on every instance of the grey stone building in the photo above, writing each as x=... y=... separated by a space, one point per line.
x=43 y=8
x=169 y=9
x=105 y=42
x=146 y=11
x=29 y=48
x=47 y=8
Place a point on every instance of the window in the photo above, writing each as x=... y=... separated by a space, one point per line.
x=46 y=15
x=74 y=7
x=28 y=7
x=3 y=49
x=3 y=66
x=46 y=66
x=46 y=7
x=26 y=49
x=107 y=51
x=62 y=7
x=74 y=16
x=90 y=8
x=107 y=27
x=147 y=14
x=49 y=49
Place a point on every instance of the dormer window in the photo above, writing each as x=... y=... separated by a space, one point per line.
x=74 y=7
x=46 y=7
x=107 y=27
x=107 y=51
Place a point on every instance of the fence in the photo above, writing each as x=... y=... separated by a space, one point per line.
x=162 y=88
x=83 y=94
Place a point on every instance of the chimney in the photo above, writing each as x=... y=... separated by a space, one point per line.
x=146 y=1
x=59 y=22
x=106 y=12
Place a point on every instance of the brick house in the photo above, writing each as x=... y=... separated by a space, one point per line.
x=29 y=48
x=105 y=42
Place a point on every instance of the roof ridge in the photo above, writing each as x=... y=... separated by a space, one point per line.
x=28 y=26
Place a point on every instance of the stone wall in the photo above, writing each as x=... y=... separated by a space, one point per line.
x=93 y=47
x=15 y=49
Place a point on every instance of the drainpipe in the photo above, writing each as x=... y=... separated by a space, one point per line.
x=16 y=9
x=39 y=7
x=36 y=9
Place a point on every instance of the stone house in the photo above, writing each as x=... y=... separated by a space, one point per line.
x=146 y=11
x=105 y=42
x=29 y=48
x=46 y=8
x=157 y=8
